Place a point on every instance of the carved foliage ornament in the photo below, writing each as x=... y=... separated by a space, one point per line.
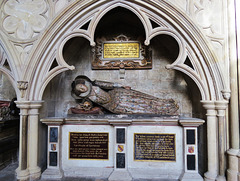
x=22 y=86
x=24 y=18
x=120 y=53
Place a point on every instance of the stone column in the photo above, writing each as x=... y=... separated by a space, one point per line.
x=221 y=107
x=22 y=170
x=34 y=169
x=212 y=172
x=234 y=107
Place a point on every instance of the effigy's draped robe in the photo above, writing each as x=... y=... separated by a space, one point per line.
x=125 y=101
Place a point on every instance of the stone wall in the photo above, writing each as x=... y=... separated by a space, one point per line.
x=7 y=91
x=157 y=81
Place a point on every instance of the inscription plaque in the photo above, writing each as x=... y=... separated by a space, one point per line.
x=120 y=53
x=120 y=135
x=53 y=134
x=120 y=160
x=88 y=145
x=53 y=159
x=121 y=50
x=155 y=147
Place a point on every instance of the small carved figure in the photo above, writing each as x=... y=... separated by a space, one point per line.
x=119 y=99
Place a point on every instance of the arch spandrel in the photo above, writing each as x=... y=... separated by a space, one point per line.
x=207 y=71
x=10 y=72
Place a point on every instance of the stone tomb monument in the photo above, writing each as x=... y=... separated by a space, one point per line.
x=122 y=147
x=117 y=133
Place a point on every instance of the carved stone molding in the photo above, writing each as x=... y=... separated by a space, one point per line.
x=24 y=19
x=59 y=5
x=209 y=16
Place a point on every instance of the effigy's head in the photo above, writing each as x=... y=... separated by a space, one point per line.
x=81 y=87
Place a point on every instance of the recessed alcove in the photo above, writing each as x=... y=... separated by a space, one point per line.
x=156 y=81
x=120 y=21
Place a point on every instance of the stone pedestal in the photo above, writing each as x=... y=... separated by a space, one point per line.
x=123 y=148
x=191 y=149
x=120 y=175
x=120 y=172
x=53 y=170
x=232 y=171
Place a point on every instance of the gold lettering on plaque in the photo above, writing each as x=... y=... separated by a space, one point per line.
x=155 y=147
x=121 y=50
x=88 y=146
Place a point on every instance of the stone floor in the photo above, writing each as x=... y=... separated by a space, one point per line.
x=8 y=174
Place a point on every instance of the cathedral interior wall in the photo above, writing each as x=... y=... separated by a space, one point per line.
x=7 y=91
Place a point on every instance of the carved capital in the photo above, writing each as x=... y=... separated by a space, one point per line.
x=22 y=86
x=221 y=105
x=226 y=94
x=210 y=107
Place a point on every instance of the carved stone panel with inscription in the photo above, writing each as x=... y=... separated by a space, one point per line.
x=88 y=145
x=154 y=147
x=121 y=53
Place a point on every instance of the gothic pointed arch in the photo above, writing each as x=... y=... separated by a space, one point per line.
x=206 y=73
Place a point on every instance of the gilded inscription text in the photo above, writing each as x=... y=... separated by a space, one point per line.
x=121 y=50
x=156 y=147
x=88 y=145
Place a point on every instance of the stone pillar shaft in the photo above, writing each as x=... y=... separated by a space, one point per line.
x=28 y=144
x=34 y=170
x=23 y=142
x=211 y=140
x=33 y=143
x=233 y=29
x=22 y=170
x=221 y=107
x=234 y=115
